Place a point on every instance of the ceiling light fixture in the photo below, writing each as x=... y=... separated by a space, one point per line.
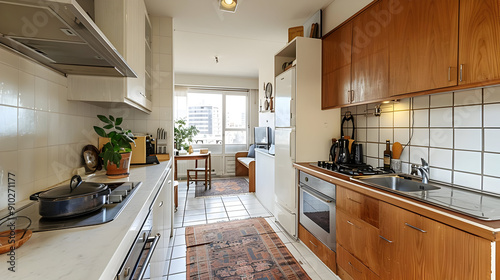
x=228 y=5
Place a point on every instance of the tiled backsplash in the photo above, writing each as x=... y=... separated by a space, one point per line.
x=42 y=133
x=457 y=133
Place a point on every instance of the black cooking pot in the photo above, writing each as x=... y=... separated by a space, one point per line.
x=75 y=199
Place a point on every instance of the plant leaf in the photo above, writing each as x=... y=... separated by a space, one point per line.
x=100 y=131
x=108 y=126
x=112 y=118
x=103 y=119
x=119 y=121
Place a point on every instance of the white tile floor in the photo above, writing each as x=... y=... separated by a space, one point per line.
x=197 y=211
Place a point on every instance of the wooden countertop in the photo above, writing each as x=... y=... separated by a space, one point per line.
x=486 y=229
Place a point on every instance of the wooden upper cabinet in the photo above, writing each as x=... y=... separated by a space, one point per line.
x=479 y=50
x=370 y=53
x=423 y=51
x=416 y=247
x=336 y=67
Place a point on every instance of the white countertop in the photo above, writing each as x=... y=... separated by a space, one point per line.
x=93 y=252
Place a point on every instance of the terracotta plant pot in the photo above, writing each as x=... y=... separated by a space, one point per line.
x=115 y=173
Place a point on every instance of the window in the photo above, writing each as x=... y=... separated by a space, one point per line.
x=220 y=116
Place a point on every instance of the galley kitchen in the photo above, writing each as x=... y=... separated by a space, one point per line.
x=232 y=139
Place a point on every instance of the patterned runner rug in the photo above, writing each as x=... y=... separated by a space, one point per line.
x=227 y=186
x=244 y=249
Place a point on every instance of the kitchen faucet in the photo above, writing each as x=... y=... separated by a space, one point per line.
x=424 y=170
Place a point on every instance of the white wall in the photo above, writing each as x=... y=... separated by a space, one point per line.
x=339 y=11
x=215 y=81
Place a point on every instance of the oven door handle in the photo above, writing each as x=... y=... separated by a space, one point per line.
x=316 y=194
x=154 y=241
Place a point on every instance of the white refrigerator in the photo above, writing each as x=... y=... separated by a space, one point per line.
x=284 y=137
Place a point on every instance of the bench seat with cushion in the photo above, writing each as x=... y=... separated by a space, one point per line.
x=245 y=166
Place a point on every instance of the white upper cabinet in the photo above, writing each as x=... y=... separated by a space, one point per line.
x=125 y=23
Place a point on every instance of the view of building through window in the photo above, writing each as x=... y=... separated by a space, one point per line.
x=218 y=115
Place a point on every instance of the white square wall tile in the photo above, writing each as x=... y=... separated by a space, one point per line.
x=491 y=94
x=420 y=102
x=491 y=184
x=372 y=121
x=492 y=140
x=360 y=121
x=372 y=135
x=441 y=138
x=420 y=137
x=9 y=81
x=8 y=128
x=26 y=90
x=469 y=97
x=420 y=118
x=492 y=164
x=386 y=134
x=372 y=150
x=26 y=128
x=468 y=116
x=361 y=134
x=361 y=109
x=441 y=117
x=491 y=115
x=467 y=161
x=416 y=153
x=387 y=119
x=372 y=161
x=403 y=104
x=441 y=158
x=440 y=175
x=469 y=139
x=467 y=180
x=442 y=100
x=401 y=135
x=402 y=119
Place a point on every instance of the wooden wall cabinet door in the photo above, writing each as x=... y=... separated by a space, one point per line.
x=479 y=51
x=416 y=247
x=370 y=53
x=423 y=44
x=336 y=68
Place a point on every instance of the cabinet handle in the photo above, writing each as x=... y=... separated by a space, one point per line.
x=449 y=74
x=348 y=96
x=416 y=228
x=354 y=267
x=349 y=222
x=313 y=244
x=352 y=96
x=461 y=72
x=353 y=200
x=385 y=239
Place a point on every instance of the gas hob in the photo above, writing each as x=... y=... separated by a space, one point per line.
x=350 y=169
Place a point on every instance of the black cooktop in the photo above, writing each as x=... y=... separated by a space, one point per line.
x=350 y=169
x=120 y=195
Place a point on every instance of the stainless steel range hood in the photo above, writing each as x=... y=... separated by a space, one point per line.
x=60 y=34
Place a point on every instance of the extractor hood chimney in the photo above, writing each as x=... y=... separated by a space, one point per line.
x=61 y=35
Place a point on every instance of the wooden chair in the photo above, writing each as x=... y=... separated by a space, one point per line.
x=194 y=177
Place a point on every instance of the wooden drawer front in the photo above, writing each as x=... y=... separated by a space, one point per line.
x=359 y=238
x=358 y=205
x=326 y=255
x=353 y=267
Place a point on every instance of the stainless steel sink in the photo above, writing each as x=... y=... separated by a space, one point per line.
x=397 y=183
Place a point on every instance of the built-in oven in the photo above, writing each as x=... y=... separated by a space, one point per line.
x=317 y=208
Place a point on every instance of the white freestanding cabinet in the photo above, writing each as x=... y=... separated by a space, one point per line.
x=303 y=130
x=125 y=23
x=264 y=179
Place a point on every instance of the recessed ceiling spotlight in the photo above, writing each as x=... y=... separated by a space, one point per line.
x=228 y=5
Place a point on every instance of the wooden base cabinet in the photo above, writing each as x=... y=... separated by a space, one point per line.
x=327 y=256
x=416 y=247
x=352 y=268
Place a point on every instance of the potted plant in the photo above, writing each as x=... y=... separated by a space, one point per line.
x=183 y=132
x=117 y=151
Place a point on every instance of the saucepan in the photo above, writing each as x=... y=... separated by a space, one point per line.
x=77 y=198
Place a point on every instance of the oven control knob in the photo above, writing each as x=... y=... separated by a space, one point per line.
x=319 y=163
x=328 y=166
x=112 y=198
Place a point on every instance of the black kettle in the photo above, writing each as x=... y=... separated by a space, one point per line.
x=339 y=152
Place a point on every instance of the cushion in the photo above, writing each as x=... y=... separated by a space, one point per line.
x=246 y=161
x=251 y=151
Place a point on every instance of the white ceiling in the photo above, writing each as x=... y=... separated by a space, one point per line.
x=241 y=40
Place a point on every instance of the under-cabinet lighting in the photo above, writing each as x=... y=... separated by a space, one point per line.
x=228 y=5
